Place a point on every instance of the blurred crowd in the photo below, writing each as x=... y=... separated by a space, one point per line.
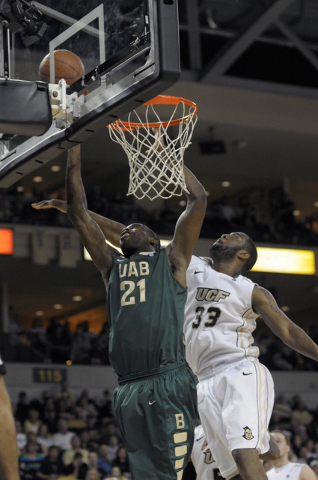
x=56 y=343
x=62 y=435
x=277 y=356
x=266 y=218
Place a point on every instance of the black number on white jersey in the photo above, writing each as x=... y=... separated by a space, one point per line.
x=213 y=316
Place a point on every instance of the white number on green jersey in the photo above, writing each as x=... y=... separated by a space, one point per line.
x=128 y=287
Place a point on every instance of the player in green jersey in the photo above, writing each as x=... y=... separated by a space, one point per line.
x=155 y=403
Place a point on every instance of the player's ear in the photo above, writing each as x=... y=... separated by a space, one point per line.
x=153 y=241
x=243 y=255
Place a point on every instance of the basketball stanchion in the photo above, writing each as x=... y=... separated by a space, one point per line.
x=155 y=157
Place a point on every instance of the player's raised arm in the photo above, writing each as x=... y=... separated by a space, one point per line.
x=188 y=226
x=110 y=228
x=292 y=335
x=90 y=233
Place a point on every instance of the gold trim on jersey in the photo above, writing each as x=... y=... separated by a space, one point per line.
x=248 y=326
x=262 y=400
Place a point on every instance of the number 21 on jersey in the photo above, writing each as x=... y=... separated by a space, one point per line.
x=129 y=287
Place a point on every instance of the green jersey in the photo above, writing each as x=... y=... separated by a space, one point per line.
x=145 y=304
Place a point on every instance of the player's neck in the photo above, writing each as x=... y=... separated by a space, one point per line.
x=281 y=462
x=231 y=269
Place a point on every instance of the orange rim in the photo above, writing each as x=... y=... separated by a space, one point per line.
x=159 y=100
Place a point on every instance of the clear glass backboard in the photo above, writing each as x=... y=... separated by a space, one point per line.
x=130 y=53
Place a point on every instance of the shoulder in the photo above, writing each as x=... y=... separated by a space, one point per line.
x=247 y=280
x=199 y=262
x=271 y=474
x=307 y=473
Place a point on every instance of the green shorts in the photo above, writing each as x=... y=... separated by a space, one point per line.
x=157 y=415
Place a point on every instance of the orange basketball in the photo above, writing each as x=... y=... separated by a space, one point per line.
x=67 y=65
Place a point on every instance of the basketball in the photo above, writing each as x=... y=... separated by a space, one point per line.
x=67 y=65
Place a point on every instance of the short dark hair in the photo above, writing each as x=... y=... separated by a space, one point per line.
x=287 y=437
x=250 y=247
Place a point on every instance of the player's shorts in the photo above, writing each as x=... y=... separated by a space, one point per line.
x=235 y=407
x=157 y=415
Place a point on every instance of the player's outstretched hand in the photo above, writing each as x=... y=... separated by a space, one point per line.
x=54 y=203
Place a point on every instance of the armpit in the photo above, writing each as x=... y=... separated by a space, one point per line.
x=175 y=264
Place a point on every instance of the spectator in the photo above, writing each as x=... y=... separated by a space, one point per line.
x=91 y=401
x=30 y=462
x=60 y=345
x=52 y=466
x=63 y=437
x=32 y=423
x=283 y=409
x=82 y=343
x=92 y=474
x=84 y=408
x=31 y=437
x=105 y=406
x=51 y=421
x=116 y=474
x=22 y=408
x=302 y=414
x=77 y=468
x=68 y=455
x=109 y=429
x=20 y=436
x=86 y=442
x=121 y=461
x=65 y=411
x=38 y=338
x=93 y=463
x=92 y=428
x=44 y=438
x=99 y=351
x=46 y=405
x=102 y=459
x=228 y=213
x=112 y=448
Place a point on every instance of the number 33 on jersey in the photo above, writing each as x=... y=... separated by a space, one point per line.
x=219 y=319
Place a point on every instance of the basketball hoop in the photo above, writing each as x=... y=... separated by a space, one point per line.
x=156 y=159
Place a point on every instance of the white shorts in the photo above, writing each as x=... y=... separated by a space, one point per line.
x=235 y=407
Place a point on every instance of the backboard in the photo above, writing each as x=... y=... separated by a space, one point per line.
x=130 y=52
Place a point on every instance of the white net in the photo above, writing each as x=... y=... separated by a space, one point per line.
x=156 y=159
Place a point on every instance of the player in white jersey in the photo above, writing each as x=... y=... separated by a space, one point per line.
x=203 y=460
x=235 y=391
x=283 y=469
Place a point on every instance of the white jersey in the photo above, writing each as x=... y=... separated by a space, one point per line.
x=219 y=319
x=203 y=462
x=291 y=471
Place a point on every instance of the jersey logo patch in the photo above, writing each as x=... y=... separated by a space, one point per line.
x=247 y=433
x=208 y=458
x=210 y=294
